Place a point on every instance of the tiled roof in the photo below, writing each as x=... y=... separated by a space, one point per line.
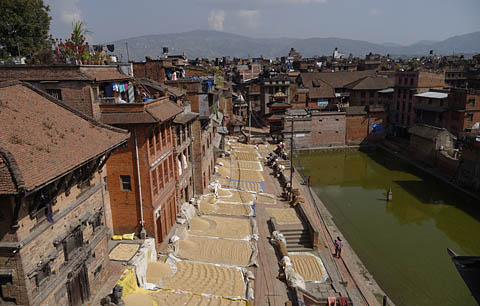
x=103 y=73
x=46 y=137
x=355 y=110
x=321 y=90
x=185 y=117
x=426 y=131
x=61 y=73
x=7 y=186
x=178 y=92
x=372 y=83
x=153 y=112
x=335 y=79
x=164 y=111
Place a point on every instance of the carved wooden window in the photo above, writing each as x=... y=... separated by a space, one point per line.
x=42 y=274
x=72 y=242
x=154 y=182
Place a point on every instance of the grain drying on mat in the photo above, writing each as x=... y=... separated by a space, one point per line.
x=207 y=278
x=157 y=271
x=265 y=199
x=246 y=156
x=237 y=196
x=176 y=299
x=246 y=175
x=225 y=209
x=212 y=250
x=124 y=251
x=256 y=166
x=284 y=215
x=221 y=227
x=307 y=266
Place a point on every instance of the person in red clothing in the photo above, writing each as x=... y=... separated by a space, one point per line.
x=338 y=247
x=308 y=181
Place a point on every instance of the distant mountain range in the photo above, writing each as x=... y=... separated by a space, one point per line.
x=212 y=44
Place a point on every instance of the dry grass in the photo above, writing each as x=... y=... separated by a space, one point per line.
x=124 y=251
x=307 y=266
x=207 y=278
x=284 y=215
x=221 y=227
x=221 y=251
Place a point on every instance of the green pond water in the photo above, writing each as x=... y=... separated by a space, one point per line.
x=402 y=243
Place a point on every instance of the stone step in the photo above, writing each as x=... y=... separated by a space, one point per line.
x=299 y=249
x=292 y=233
x=294 y=239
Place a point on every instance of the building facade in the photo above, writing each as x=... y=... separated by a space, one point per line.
x=55 y=208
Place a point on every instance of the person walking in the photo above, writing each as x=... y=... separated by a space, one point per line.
x=338 y=247
x=308 y=181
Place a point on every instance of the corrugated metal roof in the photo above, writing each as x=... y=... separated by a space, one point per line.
x=432 y=95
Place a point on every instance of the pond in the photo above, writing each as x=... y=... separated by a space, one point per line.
x=403 y=242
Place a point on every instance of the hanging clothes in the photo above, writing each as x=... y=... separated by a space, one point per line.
x=109 y=90
x=121 y=88
x=342 y=301
x=184 y=159
x=126 y=86
x=179 y=163
x=115 y=87
x=332 y=301
x=49 y=213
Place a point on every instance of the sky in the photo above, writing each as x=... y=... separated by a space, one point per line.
x=378 y=21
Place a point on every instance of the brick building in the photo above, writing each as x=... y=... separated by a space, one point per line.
x=328 y=128
x=54 y=202
x=429 y=143
x=464 y=107
x=81 y=87
x=142 y=177
x=407 y=84
x=366 y=90
x=365 y=124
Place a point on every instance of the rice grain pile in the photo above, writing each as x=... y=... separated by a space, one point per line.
x=207 y=278
x=284 y=215
x=307 y=266
x=212 y=250
x=222 y=227
x=157 y=271
x=124 y=251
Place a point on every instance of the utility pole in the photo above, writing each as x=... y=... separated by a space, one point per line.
x=249 y=120
x=128 y=54
x=291 y=159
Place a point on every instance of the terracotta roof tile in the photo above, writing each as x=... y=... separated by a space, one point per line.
x=372 y=83
x=335 y=79
x=46 y=137
x=6 y=182
x=61 y=73
x=164 y=111
x=104 y=73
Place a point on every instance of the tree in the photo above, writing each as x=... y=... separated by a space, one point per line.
x=24 y=25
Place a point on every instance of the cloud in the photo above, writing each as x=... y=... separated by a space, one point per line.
x=252 y=5
x=66 y=11
x=373 y=12
x=249 y=18
x=216 y=19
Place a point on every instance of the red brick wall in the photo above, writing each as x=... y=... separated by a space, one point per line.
x=328 y=129
x=358 y=128
x=152 y=70
x=77 y=94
